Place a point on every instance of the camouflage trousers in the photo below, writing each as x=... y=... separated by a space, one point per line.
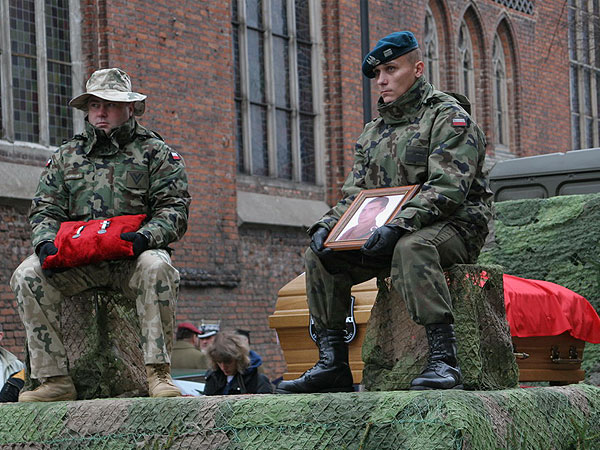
x=150 y=280
x=416 y=269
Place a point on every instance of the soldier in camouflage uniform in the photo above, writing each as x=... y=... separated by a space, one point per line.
x=115 y=167
x=422 y=136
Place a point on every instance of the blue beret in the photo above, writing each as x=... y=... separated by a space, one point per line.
x=390 y=47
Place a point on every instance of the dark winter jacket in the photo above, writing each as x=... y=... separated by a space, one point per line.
x=249 y=382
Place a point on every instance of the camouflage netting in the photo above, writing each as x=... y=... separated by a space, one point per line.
x=102 y=338
x=536 y=418
x=554 y=239
x=395 y=348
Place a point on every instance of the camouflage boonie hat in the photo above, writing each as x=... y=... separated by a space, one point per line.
x=112 y=85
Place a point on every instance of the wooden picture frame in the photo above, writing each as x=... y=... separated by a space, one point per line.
x=370 y=209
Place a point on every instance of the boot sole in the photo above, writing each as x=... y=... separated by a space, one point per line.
x=167 y=395
x=322 y=391
x=344 y=389
x=63 y=398
x=429 y=388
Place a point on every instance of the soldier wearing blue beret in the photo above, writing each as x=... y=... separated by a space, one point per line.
x=387 y=49
x=422 y=137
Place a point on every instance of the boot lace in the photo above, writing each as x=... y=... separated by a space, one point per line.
x=162 y=372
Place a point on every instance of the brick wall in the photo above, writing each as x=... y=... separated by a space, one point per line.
x=181 y=57
x=14 y=247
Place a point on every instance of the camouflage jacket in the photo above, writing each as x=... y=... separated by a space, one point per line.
x=424 y=137
x=97 y=176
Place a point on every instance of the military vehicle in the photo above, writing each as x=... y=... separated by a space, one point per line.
x=549 y=175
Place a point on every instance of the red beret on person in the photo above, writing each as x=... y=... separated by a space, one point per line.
x=188 y=326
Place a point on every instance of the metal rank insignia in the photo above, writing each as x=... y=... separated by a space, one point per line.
x=104 y=225
x=78 y=232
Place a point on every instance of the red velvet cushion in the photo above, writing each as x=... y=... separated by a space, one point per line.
x=90 y=246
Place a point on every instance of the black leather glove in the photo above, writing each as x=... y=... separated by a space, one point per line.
x=43 y=251
x=46 y=249
x=318 y=240
x=382 y=241
x=140 y=242
x=10 y=390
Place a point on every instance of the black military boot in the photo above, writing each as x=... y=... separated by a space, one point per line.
x=330 y=374
x=441 y=371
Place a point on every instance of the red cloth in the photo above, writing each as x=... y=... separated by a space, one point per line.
x=90 y=246
x=541 y=308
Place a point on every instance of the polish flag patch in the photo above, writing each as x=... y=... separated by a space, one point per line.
x=49 y=162
x=175 y=156
x=459 y=122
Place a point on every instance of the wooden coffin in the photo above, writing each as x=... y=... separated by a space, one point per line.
x=291 y=320
x=556 y=359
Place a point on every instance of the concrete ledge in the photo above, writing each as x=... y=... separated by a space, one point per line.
x=552 y=417
x=264 y=209
x=18 y=181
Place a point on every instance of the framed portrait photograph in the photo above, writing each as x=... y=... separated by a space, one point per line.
x=370 y=209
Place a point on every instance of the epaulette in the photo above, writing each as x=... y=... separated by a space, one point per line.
x=156 y=135
x=462 y=100
x=149 y=134
x=77 y=137
x=453 y=97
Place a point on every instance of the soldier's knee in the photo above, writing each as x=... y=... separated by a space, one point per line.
x=29 y=269
x=153 y=262
x=407 y=245
x=309 y=255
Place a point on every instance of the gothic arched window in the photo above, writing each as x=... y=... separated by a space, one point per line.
x=431 y=49
x=466 y=79
x=584 y=55
x=500 y=94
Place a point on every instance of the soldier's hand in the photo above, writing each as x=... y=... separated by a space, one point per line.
x=317 y=242
x=46 y=249
x=140 y=242
x=382 y=241
x=43 y=251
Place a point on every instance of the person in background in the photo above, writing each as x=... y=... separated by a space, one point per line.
x=186 y=354
x=232 y=371
x=12 y=374
x=208 y=332
x=255 y=359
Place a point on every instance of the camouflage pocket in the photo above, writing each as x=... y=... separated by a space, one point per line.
x=416 y=155
x=136 y=179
